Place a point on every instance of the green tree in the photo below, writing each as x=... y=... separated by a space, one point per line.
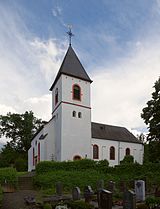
x=151 y=116
x=20 y=129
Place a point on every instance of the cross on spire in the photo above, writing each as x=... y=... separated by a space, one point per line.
x=70 y=34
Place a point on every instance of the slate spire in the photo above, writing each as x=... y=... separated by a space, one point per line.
x=71 y=66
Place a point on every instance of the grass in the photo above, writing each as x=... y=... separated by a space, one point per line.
x=70 y=179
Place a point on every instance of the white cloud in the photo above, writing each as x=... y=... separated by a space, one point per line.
x=27 y=66
x=41 y=106
x=120 y=93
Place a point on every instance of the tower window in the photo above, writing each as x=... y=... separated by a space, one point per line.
x=76 y=92
x=79 y=115
x=112 y=153
x=127 y=151
x=74 y=114
x=95 y=151
x=56 y=96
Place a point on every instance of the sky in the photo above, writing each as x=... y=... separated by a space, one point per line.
x=117 y=42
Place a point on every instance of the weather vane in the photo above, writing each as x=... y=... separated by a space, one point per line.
x=70 y=34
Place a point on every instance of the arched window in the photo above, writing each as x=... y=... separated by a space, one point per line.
x=33 y=157
x=76 y=92
x=39 y=152
x=56 y=96
x=79 y=115
x=127 y=151
x=95 y=151
x=74 y=114
x=112 y=153
x=77 y=157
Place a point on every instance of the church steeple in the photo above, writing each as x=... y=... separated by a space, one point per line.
x=72 y=66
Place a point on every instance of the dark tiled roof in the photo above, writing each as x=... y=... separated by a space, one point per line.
x=116 y=133
x=71 y=66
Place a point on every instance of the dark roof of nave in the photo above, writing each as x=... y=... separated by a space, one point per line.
x=116 y=133
x=71 y=66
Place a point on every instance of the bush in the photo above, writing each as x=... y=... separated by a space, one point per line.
x=8 y=175
x=47 y=206
x=47 y=166
x=127 y=159
x=70 y=179
x=79 y=204
x=20 y=164
x=152 y=202
x=1 y=196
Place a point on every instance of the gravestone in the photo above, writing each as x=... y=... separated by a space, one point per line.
x=59 y=188
x=122 y=186
x=88 y=194
x=111 y=186
x=104 y=199
x=157 y=192
x=140 y=190
x=100 y=184
x=76 y=193
x=129 y=200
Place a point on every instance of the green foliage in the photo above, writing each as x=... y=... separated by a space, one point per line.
x=70 y=179
x=20 y=164
x=8 y=175
x=127 y=159
x=1 y=196
x=152 y=202
x=47 y=206
x=150 y=114
x=79 y=204
x=77 y=165
x=20 y=128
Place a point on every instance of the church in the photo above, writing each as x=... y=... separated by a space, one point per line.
x=70 y=134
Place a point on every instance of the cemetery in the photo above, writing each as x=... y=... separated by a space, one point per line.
x=88 y=184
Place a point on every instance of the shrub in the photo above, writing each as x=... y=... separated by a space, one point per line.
x=127 y=159
x=47 y=206
x=20 y=164
x=79 y=204
x=47 y=166
x=152 y=202
x=102 y=165
x=8 y=175
x=1 y=196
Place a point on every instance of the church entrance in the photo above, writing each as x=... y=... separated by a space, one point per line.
x=77 y=157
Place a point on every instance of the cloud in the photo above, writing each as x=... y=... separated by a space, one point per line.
x=41 y=106
x=28 y=65
x=119 y=93
x=57 y=11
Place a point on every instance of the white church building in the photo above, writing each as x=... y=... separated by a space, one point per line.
x=70 y=134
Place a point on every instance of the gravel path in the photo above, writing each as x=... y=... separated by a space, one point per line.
x=16 y=200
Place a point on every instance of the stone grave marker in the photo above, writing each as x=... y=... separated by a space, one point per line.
x=140 y=190
x=104 y=199
x=76 y=193
x=122 y=186
x=59 y=188
x=100 y=184
x=88 y=193
x=111 y=186
x=129 y=200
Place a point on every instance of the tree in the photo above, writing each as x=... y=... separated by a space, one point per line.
x=20 y=129
x=151 y=116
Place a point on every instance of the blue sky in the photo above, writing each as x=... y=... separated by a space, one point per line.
x=118 y=43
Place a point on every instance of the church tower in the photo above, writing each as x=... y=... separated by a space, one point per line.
x=71 y=109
